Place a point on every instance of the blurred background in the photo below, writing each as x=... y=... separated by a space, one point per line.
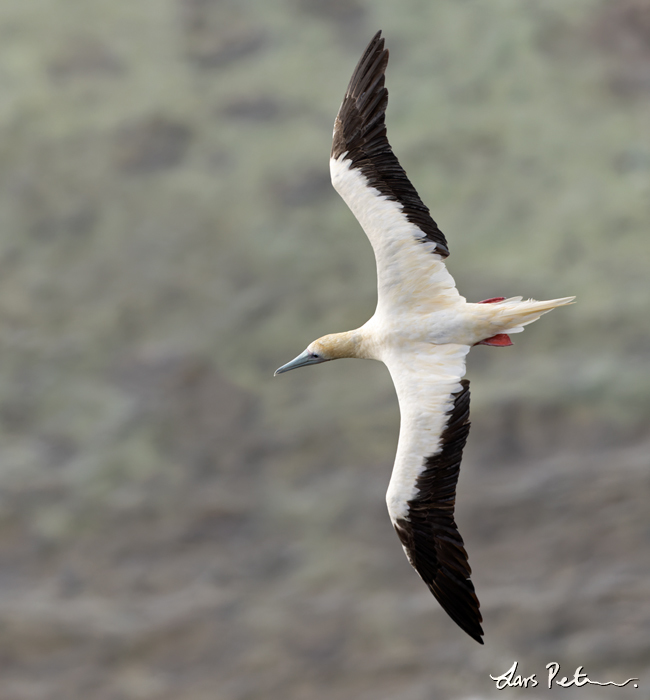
x=175 y=522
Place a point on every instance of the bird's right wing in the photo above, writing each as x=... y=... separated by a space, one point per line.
x=434 y=408
x=409 y=247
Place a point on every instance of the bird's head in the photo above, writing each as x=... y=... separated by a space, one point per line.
x=329 y=347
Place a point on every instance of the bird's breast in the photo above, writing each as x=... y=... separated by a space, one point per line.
x=456 y=325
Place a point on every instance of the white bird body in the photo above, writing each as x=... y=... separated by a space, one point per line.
x=422 y=331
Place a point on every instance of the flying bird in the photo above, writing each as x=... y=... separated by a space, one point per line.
x=422 y=330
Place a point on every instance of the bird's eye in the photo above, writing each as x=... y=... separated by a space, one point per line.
x=313 y=354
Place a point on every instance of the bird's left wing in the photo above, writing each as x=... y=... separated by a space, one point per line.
x=434 y=408
x=409 y=247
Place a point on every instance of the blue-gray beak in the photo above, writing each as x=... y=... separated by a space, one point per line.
x=305 y=358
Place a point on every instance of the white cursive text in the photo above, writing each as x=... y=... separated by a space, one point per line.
x=512 y=679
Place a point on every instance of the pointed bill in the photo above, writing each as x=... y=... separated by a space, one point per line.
x=305 y=358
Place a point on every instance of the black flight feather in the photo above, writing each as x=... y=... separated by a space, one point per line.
x=429 y=532
x=360 y=134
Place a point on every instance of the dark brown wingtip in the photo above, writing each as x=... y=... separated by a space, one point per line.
x=375 y=45
x=374 y=48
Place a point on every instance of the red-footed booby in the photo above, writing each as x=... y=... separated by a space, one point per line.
x=421 y=330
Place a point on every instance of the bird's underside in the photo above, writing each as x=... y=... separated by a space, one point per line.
x=422 y=330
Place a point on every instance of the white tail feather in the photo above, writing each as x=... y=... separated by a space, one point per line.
x=513 y=314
